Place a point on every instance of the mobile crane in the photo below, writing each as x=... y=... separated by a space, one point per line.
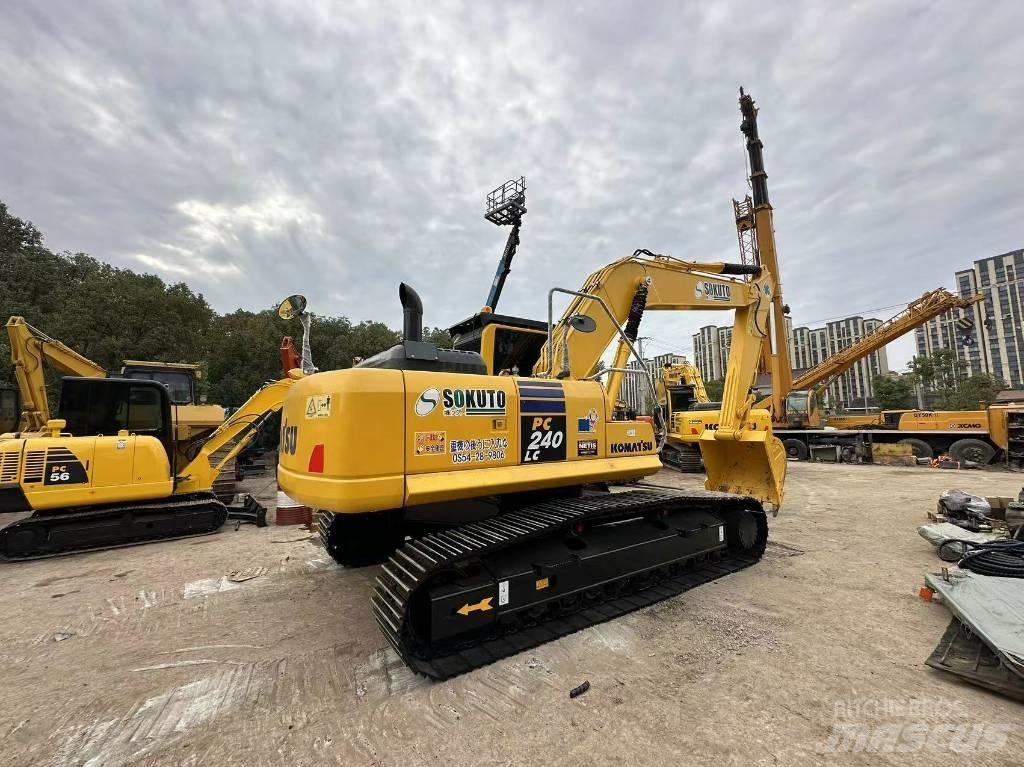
x=800 y=409
x=792 y=402
x=494 y=475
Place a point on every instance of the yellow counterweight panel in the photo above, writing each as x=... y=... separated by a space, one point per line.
x=62 y=472
x=194 y=420
x=366 y=440
x=341 y=447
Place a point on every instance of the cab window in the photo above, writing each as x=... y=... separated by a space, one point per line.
x=179 y=384
x=516 y=349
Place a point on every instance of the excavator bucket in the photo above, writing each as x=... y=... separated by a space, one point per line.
x=745 y=463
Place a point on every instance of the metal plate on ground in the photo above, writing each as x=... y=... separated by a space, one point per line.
x=962 y=653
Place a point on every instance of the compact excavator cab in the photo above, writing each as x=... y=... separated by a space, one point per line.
x=107 y=406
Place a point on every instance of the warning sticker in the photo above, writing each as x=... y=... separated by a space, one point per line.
x=431 y=443
x=502 y=593
x=318 y=406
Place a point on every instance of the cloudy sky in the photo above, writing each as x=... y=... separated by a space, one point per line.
x=334 y=149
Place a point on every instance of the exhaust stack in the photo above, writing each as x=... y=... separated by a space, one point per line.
x=412 y=313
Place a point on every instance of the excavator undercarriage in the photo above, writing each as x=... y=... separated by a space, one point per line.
x=460 y=597
x=89 y=528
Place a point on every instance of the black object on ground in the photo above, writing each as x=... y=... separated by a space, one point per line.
x=249 y=510
x=575 y=692
x=964 y=654
x=1003 y=558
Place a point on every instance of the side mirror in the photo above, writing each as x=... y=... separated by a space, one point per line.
x=292 y=307
x=582 y=323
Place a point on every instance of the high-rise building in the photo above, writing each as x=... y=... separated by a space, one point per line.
x=707 y=352
x=807 y=348
x=635 y=391
x=987 y=337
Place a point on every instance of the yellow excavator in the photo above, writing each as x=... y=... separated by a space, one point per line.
x=106 y=471
x=500 y=477
x=32 y=351
x=119 y=465
x=682 y=374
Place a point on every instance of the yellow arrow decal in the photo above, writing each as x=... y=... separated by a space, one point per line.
x=483 y=606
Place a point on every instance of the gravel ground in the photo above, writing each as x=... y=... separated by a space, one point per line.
x=150 y=656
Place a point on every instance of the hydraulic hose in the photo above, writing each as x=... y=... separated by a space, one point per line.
x=1004 y=558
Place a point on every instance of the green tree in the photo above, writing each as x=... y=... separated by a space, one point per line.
x=939 y=370
x=971 y=393
x=105 y=313
x=439 y=337
x=893 y=392
x=715 y=389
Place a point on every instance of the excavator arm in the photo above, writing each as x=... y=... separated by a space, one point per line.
x=233 y=435
x=686 y=373
x=30 y=349
x=738 y=459
x=618 y=294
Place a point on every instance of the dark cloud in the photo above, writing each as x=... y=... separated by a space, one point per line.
x=336 y=149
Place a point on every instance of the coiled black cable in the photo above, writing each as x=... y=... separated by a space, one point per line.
x=1003 y=558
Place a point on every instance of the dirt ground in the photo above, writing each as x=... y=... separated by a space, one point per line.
x=150 y=656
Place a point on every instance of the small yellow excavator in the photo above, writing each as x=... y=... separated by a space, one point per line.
x=106 y=472
x=32 y=351
x=500 y=478
x=117 y=467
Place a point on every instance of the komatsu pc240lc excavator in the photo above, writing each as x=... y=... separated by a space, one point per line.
x=477 y=474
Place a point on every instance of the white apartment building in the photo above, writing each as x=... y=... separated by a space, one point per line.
x=988 y=336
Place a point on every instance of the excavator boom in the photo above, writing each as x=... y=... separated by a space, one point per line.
x=234 y=434
x=31 y=350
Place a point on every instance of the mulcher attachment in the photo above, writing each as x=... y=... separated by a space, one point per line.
x=459 y=599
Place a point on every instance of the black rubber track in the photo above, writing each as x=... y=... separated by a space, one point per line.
x=409 y=570
x=71 y=531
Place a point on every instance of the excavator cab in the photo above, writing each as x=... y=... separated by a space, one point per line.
x=108 y=406
x=180 y=380
x=509 y=345
x=802 y=409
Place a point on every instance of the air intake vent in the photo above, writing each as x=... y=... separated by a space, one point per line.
x=35 y=462
x=9 y=466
